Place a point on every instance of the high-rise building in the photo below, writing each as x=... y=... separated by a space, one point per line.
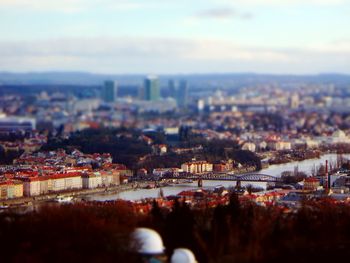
x=172 y=88
x=152 y=91
x=109 y=91
x=182 y=94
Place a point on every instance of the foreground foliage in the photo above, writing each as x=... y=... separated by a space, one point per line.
x=99 y=232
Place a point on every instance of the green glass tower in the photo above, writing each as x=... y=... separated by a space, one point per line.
x=109 y=91
x=182 y=94
x=152 y=91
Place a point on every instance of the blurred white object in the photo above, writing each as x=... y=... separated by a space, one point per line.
x=149 y=241
x=183 y=255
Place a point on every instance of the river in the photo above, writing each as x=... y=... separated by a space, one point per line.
x=274 y=170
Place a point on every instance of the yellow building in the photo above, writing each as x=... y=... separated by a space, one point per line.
x=11 y=189
x=197 y=167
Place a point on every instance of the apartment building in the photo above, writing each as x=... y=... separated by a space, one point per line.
x=197 y=167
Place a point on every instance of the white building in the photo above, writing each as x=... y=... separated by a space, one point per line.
x=262 y=145
x=52 y=183
x=110 y=178
x=92 y=180
x=339 y=137
x=31 y=187
x=197 y=167
x=249 y=146
x=311 y=144
x=279 y=145
x=14 y=123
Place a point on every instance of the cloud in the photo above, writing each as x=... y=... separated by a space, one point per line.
x=41 y=5
x=335 y=47
x=162 y=55
x=73 y=6
x=96 y=47
x=143 y=48
x=216 y=50
x=70 y=6
x=284 y=2
x=223 y=13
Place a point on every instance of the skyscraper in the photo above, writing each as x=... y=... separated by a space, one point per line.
x=151 y=85
x=182 y=94
x=109 y=91
x=172 y=88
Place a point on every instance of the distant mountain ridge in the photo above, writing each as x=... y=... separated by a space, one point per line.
x=58 y=78
x=85 y=78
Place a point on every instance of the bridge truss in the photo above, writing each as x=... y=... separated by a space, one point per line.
x=249 y=177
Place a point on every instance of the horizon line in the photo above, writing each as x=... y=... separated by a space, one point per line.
x=171 y=74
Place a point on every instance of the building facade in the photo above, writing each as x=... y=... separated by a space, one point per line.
x=11 y=189
x=109 y=91
x=92 y=180
x=182 y=94
x=34 y=186
x=152 y=90
x=197 y=167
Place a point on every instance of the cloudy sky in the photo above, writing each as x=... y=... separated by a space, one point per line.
x=175 y=36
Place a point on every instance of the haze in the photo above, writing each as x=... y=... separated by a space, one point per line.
x=169 y=37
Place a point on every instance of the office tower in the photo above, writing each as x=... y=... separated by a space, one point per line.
x=109 y=91
x=151 y=85
x=182 y=94
x=172 y=89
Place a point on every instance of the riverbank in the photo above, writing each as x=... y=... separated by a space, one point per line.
x=77 y=194
x=306 y=166
x=294 y=156
x=285 y=157
x=139 y=190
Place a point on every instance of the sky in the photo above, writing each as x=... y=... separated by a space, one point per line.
x=175 y=36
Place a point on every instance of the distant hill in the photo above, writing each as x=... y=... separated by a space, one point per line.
x=61 y=78
x=202 y=80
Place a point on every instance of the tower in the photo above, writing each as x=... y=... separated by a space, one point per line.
x=182 y=94
x=109 y=91
x=172 y=88
x=327 y=182
x=151 y=85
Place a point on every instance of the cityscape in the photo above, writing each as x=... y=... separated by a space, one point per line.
x=174 y=132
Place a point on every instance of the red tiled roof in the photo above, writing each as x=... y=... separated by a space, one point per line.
x=53 y=176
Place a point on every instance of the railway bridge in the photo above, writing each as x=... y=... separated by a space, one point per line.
x=247 y=177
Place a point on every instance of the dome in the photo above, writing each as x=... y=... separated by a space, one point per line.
x=183 y=255
x=148 y=241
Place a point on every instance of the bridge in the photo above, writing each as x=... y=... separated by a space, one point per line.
x=247 y=177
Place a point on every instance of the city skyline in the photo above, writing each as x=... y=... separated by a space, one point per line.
x=127 y=36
